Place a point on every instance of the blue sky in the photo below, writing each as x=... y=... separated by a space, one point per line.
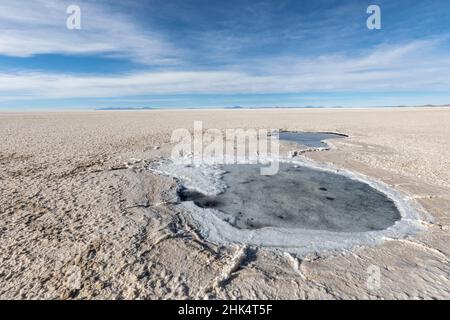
x=200 y=53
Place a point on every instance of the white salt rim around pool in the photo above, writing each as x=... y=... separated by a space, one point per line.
x=301 y=242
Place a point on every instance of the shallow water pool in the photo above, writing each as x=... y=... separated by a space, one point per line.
x=309 y=139
x=298 y=197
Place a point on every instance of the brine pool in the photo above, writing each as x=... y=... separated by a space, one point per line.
x=297 y=197
x=310 y=139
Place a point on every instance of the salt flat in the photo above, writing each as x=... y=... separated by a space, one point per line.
x=82 y=217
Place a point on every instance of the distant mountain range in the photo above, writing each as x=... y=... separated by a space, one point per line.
x=234 y=107
x=127 y=108
x=270 y=107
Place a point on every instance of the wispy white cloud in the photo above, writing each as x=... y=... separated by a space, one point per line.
x=39 y=27
x=413 y=66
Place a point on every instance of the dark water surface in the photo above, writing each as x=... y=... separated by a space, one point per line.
x=310 y=139
x=298 y=197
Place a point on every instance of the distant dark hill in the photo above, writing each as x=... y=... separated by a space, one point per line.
x=127 y=108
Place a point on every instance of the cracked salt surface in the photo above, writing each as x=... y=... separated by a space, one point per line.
x=320 y=208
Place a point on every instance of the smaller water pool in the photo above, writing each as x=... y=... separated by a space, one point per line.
x=310 y=139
